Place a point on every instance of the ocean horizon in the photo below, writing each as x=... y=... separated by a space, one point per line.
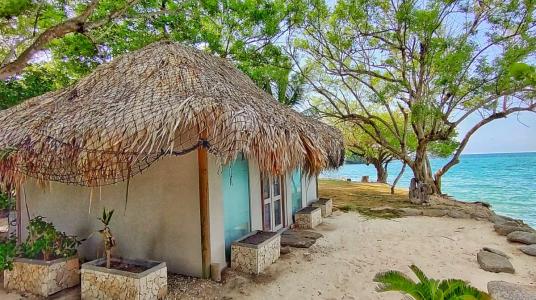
x=507 y=181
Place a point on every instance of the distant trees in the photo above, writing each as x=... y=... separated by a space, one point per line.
x=434 y=63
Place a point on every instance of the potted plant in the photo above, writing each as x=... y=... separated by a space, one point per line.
x=117 y=278
x=44 y=264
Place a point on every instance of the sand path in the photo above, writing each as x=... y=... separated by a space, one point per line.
x=342 y=264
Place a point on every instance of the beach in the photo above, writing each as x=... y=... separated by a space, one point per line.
x=342 y=265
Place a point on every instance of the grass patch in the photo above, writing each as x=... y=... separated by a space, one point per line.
x=370 y=199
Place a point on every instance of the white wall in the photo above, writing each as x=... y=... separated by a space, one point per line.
x=309 y=192
x=255 y=195
x=161 y=221
x=217 y=226
x=288 y=198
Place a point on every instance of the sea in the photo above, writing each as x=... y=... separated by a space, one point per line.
x=507 y=181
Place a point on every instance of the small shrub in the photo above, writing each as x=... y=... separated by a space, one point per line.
x=6 y=202
x=427 y=288
x=107 y=237
x=8 y=252
x=46 y=242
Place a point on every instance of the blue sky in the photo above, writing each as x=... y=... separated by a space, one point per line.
x=517 y=133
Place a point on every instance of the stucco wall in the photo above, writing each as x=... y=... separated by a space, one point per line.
x=161 y=221
x=309 y=192
x=255 y=195
x=217 y=226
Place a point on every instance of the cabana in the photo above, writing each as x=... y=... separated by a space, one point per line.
x=185 y=147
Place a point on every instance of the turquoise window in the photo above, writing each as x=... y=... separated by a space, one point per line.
x=236 y=207
x=296 y=190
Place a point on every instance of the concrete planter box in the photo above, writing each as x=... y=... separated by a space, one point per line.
x=308 y=217
x=256 y=251
x=98 y=282
x=42 y=278
x=326 y=206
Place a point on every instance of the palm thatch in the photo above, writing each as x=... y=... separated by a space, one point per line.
x=165 y=99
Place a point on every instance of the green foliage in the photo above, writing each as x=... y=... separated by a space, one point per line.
x=8 y=252
x=107 y=236
x=9 y=8
x=245 y=32
x=6 y=202
x=427 y=288
x=46 y=242
x=43 y=242
x=106 y=216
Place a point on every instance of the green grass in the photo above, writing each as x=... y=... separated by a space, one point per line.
x=370 y=199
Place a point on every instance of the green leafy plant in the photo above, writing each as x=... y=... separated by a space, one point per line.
x=8 y=252
x=427 y=288
x=6 y=202
x=44 y=240
x=106 y=233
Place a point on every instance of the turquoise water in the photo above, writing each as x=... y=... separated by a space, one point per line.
x=505 y=180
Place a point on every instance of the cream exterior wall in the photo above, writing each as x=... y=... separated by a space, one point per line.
x=255 y=195
x=217 y=225
x=161 y=221
x=309 y=192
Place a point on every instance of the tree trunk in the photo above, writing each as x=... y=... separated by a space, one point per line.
x=381 y=172
x=422 y=185
x=398 y=178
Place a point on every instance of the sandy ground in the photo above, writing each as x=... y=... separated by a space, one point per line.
x=343 y=263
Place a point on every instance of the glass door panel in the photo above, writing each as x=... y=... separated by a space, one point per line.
x=272 y=202
x=277 y=214
x=296 y=190
x=267 y=212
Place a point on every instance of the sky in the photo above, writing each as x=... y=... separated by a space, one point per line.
x=517 y=133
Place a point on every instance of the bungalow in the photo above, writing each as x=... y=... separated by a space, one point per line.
x=185 y=148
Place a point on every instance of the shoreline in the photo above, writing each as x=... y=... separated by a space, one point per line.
x=401 y=194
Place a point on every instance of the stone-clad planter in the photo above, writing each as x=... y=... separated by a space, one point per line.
x=308 y=217
x=98 y=282
x=326 y=206
x=253 y=253
x=42 y=278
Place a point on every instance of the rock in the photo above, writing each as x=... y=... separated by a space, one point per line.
x=529 y=250
x=501 y=290
x=303 y=233
x=365 y=179
x=299 y=238
x=496 y=251
x=528 y=238
x=434 y=212
x=285 y=250
x=507 y=227
x=406 y=212
x=493 y=262
x=458 y=214
x=498 y=219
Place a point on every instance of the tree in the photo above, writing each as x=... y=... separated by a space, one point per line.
x=359 y=143
x=434 y=62
x=67 y=40
x=28 y=27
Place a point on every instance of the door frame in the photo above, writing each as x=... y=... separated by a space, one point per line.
x=282 y=198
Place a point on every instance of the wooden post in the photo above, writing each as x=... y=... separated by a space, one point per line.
x=202 y=159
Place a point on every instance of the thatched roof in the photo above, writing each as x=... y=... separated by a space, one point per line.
x=154 y=102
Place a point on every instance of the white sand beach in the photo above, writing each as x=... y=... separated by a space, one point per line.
x=343 y=263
